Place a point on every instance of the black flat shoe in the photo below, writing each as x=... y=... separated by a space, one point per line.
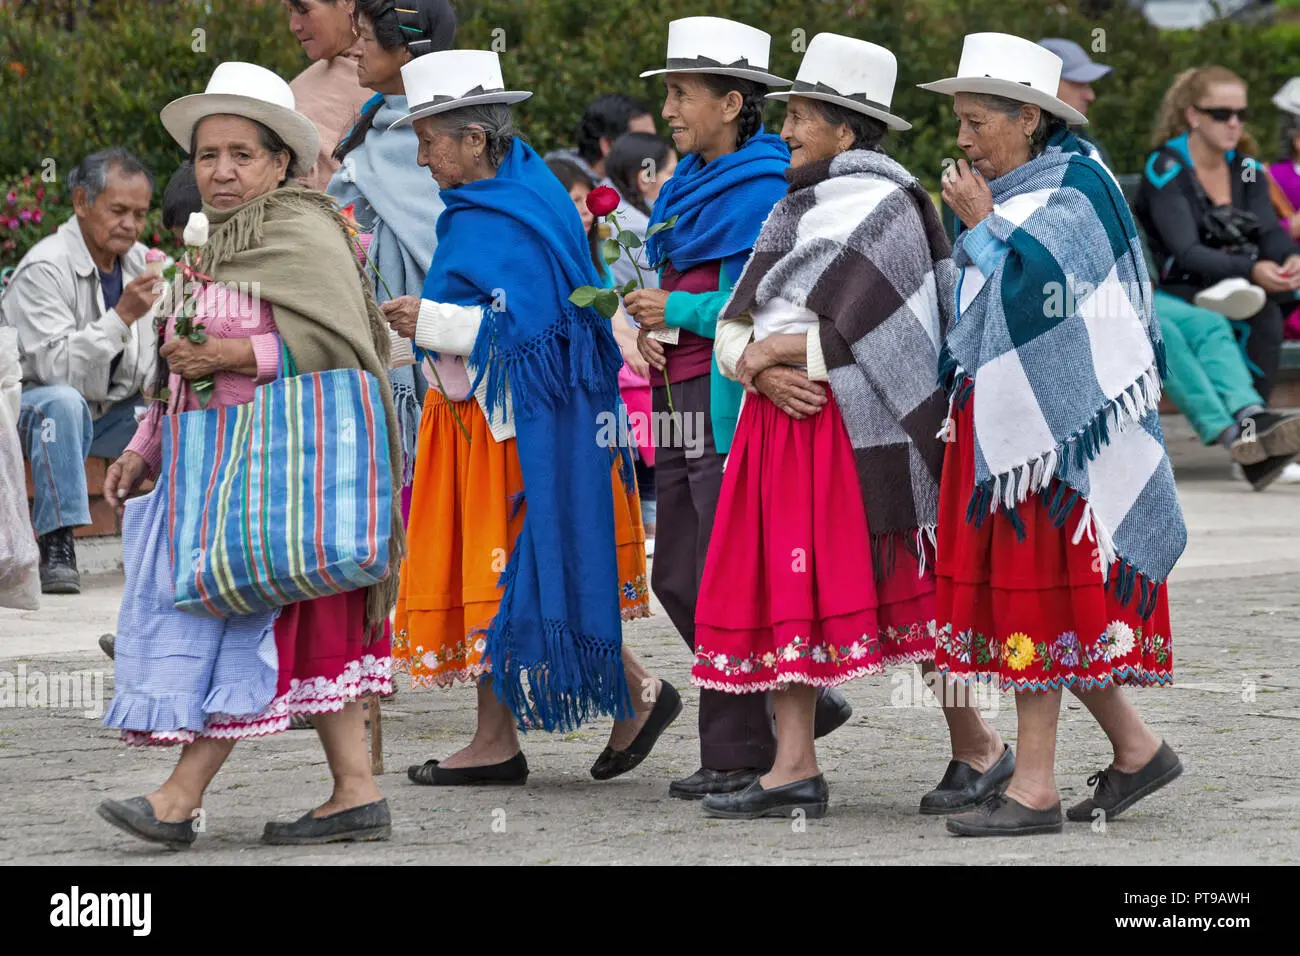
x=1117 y=791
x=833 y=711
x=611 y=763
x=810 y=796
x=705 y=781
x=136 y=817
x=964 y=788
x=370 y=821
x=1002 y=816
x=512 y=772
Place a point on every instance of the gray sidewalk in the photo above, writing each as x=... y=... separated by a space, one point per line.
x=1233 y=715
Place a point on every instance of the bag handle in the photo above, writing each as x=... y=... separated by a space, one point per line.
x=288 y=367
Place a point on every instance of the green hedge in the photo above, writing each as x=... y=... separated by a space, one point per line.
x=64 y=94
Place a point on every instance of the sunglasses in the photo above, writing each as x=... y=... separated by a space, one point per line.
x=1222 y=115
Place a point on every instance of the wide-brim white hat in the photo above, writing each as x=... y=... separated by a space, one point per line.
x=1010 y=66
x=452 y=79
x=1287 y=99
x=716 y=45
x=255 y=93
x=851 y=73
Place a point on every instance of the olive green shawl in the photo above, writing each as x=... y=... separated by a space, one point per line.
x=294 y=246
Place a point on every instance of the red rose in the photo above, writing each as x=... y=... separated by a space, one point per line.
x=603 y=200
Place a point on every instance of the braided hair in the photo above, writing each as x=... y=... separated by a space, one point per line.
x=421 y=26
x=750 y=120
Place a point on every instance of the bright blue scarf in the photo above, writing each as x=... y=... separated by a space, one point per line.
x=514 y=245
x=720 y=206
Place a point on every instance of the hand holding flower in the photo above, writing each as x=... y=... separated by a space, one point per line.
x=402 y=314
x=647 y=307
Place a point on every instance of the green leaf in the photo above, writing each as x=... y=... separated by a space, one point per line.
x=670 y=222
x=606 y=303
x=629 y=240
x=610 y=250
x=657 y=227
x=584 y=295
x=630 y=287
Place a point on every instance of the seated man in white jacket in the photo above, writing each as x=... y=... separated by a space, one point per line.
x=77 y=300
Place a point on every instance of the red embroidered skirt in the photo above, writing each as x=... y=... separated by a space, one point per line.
x=788 y=593
x=1033 y=614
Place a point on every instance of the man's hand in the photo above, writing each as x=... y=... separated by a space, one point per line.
x=967 y=194
x=652 y=350
x=791 y=391
x=123 y=476
x=402 y=314
x=138 y=297
x=647 y=307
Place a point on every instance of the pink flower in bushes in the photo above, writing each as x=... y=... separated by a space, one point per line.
x=25 y=215
x=37 y=217
x=12 y=197
x=14 y=224
x=40 y=192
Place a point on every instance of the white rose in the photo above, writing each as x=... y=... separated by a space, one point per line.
x=196 y=230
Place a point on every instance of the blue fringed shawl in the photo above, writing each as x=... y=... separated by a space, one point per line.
x=514 y=245
x=720 y=205
x=1057 y=339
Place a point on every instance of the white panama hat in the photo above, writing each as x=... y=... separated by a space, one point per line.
x=255 y=93
x=852 y=73
x=451 y=79
x=1287 y=99
x=1010 y=66
x=715 y=45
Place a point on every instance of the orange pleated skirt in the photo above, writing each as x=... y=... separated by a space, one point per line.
x=462 y=527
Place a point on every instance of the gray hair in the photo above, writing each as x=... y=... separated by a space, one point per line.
x=1047 y=123
x=867 y=130
x=496 y=121
x=91 y=174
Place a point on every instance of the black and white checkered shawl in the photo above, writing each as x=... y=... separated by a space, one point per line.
x=858 y=241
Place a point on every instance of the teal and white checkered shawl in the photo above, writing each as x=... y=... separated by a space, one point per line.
x=1061 y=348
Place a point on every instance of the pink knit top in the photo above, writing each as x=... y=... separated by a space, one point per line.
x=227 y=312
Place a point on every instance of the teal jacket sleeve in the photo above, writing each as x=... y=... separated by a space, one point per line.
x=698 y=311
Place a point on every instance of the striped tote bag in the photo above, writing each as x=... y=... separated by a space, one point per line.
x=285 y=499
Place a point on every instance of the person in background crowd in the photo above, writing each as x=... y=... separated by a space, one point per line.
x=77 y=300
x=392 y=199
x=1078 y=73
x=604 y=120
x=327 y=92
x=638 y=165
x=731 y=175
x=290 y=245
x=1204 y=203
x=181 y=199
x=1066 y=443
x=1286 y=174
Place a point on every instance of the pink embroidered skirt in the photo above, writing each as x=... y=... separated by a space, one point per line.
x=789 y=593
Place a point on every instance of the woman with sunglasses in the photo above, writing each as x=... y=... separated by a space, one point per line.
x=1204 y=203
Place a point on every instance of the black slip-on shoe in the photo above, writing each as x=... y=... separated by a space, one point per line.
x=1117 y=791
x=810 y=796
x=512 y=772
x=964 y=788
x=370 y=821
x=1002 y=816
x=1266 y=472
x=108 y=644
x=705 y=781
x=136 y=817
x=833 y=711
x=611 y=763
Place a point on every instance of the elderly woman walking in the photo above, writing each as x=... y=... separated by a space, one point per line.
x=317 y=657
x=731 y=175
x=528 y=551
x=821 y=567
x=1058 y=517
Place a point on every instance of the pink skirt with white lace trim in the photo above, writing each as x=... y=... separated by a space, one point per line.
x=329 y=665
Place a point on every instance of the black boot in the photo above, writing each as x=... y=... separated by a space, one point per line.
x=59 y=563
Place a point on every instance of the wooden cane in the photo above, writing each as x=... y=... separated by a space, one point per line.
x=376 y=736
